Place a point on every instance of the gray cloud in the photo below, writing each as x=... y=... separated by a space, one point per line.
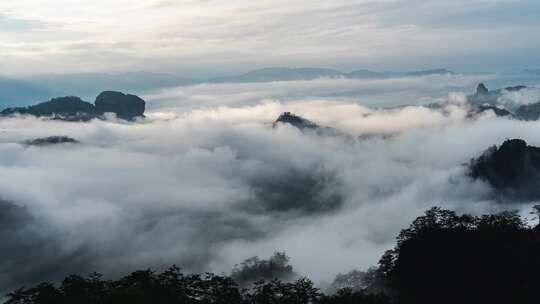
x=32 y=252
x=208 y=37
x=285 y=189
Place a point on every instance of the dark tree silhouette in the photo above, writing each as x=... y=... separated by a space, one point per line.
x=173 y=287
x=441 y=258
x=254 y=269
x=355 y=280
x=348 y=296
x=446 y=258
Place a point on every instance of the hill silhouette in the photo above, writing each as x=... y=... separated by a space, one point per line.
x=72 y=108
x=442 y=257
x=512 y=169
x=447 y=258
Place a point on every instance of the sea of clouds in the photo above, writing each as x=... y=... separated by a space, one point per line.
x=207 y=180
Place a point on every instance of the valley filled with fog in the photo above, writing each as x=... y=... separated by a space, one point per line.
x=208 y=178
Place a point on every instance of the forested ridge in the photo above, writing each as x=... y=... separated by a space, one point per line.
x=442 y=257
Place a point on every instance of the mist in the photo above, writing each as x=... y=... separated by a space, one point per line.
x=388 y=92
x=206 y=180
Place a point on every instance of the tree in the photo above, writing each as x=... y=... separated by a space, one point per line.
x=254 y=269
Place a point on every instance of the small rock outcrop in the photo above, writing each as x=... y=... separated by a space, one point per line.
x=481 y=89
x=296 y=121
x=306 y=125
x=51 y=140
x=125 y=106
x=513 y=169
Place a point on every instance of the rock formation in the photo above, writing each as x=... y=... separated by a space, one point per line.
x=125 y=106
x=307 y=125
x=483 y=96
x=485 y=100
x=51 y=140
x=296 y=121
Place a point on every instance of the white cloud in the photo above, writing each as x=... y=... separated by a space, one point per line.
x=208 y=187
x=513 y=99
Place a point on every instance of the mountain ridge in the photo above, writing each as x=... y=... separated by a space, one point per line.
x=310 y=73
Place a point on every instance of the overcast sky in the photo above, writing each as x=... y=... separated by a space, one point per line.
x=211 y=37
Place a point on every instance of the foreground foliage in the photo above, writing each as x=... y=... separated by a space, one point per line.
x=171 y=286
x=447 y=258
x=441 y=258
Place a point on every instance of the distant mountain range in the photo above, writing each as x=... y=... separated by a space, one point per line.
x=532 y=71
x=32 y=89
x=290 y=74
x=29 y=90
x=20 y=92
x=89 y=84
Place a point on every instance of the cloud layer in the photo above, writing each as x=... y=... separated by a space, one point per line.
x=389 y=92
x=205 y=187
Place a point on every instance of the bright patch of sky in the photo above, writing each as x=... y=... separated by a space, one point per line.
x=211 y=37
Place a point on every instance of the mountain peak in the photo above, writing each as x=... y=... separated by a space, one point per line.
x=481 y=89
x=296 y=121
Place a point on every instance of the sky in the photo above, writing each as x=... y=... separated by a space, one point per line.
x=210 y=37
